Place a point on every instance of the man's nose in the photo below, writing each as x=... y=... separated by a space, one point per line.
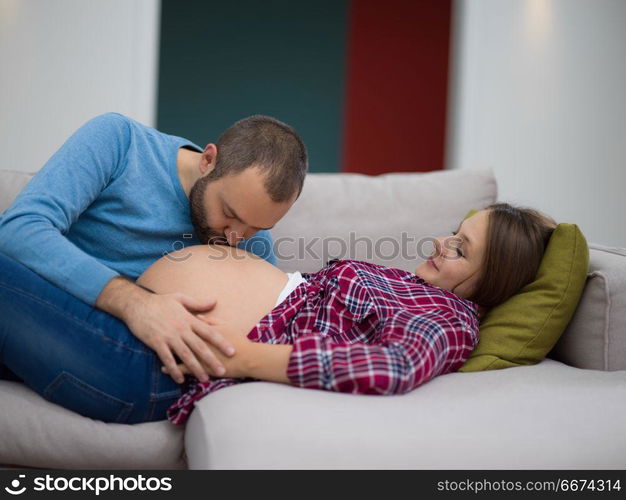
x=233 y=235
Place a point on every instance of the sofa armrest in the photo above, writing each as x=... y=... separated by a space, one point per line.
x=596 y=336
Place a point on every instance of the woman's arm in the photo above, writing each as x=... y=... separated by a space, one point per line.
x=413 y=348
x=252 y=359
x=269 y=362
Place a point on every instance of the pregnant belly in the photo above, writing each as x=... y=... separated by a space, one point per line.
x=245 y=286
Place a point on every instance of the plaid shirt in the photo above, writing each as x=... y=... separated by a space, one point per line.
x=360 y=328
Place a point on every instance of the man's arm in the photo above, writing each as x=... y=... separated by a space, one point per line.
x=33 y=229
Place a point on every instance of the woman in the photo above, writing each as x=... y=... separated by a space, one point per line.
x=351 y=327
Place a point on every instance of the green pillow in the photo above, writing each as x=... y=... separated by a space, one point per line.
x=523 y=329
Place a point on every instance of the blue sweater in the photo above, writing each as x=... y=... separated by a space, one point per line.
x=108 y=202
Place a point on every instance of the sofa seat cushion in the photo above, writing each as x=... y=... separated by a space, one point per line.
x=543 y=416
x=37 y=433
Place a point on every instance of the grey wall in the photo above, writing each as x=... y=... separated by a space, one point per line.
x=538 y=95
x=65 y=61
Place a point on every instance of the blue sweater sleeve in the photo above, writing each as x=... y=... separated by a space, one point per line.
x=33 y=229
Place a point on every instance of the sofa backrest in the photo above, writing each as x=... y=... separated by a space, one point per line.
x=389 y=219
x=11 y=183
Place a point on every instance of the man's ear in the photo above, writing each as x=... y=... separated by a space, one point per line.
x=209 y=156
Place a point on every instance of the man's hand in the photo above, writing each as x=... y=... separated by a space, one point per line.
x=235 y=366
x=254 y=359
x=166 y=324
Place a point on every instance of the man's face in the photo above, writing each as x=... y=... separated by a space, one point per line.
x=233 y=207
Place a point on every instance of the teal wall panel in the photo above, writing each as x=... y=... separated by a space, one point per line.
x=222 y=61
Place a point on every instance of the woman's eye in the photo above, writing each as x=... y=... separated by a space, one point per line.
x=458 y=250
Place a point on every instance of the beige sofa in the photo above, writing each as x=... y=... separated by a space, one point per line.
x=565 y=412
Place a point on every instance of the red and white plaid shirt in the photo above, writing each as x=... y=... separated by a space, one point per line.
x=360 y=328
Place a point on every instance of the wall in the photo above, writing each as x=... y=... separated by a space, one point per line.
x=230 y=60
x=397 y=86
x=537 y=92
x=538 y=95
x=365 y=87
x=65 y=61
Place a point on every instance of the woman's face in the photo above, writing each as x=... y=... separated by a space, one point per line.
x=456 y=262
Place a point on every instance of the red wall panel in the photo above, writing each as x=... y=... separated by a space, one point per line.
x=396 y=86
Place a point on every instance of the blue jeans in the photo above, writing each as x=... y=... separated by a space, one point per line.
x=75 y=355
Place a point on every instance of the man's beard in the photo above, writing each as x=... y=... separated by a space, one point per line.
x=203 y=231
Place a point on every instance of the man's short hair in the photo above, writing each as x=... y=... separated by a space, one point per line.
x=267 y=143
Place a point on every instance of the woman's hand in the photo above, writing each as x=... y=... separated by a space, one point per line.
x=237 y=365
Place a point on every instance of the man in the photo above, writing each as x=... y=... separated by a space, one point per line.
x=119 y=195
